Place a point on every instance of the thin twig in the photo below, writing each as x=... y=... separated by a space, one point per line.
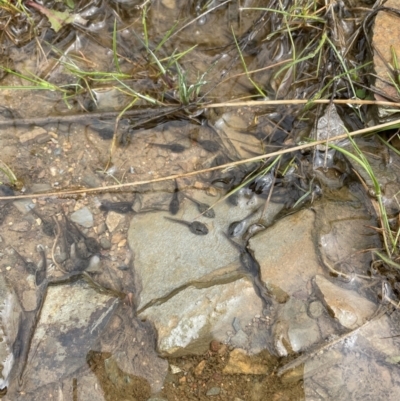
x=251 y=103
x=73 y=118
x=192 y=173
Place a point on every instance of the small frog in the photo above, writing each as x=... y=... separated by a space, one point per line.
x=202 y=208
x=195 y=226
x=174 y=204
x=117 y=207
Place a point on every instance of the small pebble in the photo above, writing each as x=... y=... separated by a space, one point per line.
x=122 y=243
x=175 y=369
x=101 y=229
x=198 y=370
x=105 y=243
x=113 y=219
x=83 y=217
x=213 y=391
x=215 y=346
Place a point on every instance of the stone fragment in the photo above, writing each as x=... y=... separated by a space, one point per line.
x=70 y=321
x=286 y=252
x=39 y=188
x=241 y=363
x=37 y=134
x=29 y=300
x=20 y=227
x=175 y=369
x=105 y=243
x=83 y=217
x=24 y=205
x=198 y=370
x=112 y=221
x=315 y=309
x=349 y=308
x=213 y=391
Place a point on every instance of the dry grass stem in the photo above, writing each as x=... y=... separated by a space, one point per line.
x=252 y=103
x=193 y=173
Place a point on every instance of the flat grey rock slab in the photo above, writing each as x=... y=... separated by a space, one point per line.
x=350 y=373
x=71 y=320
x=187 y=322
x=343 y=232
x=85 y=385
x=168 y=256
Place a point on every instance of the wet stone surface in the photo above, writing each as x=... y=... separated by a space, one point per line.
x=133 y=294
x=71 y=320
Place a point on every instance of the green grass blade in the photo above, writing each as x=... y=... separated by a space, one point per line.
x=245 y=67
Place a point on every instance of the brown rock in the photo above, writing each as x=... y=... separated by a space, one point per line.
x=241 y=363
x=215 y=346
x=386 y=36
x=38 y=135
x=198 y=370
x=20 y=227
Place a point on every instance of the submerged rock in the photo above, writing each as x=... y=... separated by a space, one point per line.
x=83 y=217
x=70 y=322
x=286 y=253
x=10 y=318
x=126 y=349
x=349 y=308
x=168 y=256
x=241 y=363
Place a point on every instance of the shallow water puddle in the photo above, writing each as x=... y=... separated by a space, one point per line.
x=272 y=295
